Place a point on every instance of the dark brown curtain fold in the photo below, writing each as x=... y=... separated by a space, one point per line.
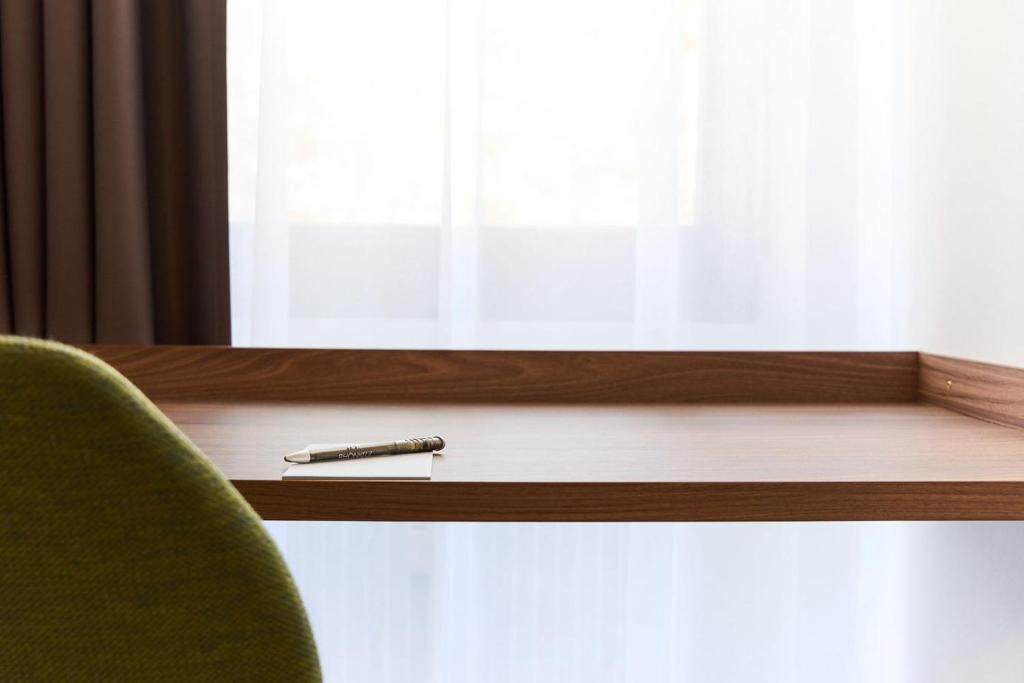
x=113 y=200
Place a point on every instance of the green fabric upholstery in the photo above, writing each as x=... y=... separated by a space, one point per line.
x=124 y=554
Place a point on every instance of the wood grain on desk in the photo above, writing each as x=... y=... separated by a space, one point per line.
x=982 y=390
x=588 y=436
x=634 y=502
x=224 y=373
x=629 y=462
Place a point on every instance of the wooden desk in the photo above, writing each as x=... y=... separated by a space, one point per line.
x=590 y=436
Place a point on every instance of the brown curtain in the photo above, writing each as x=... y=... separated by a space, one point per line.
x=113 y=162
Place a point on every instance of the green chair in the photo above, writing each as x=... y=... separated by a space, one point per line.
x=124 y=554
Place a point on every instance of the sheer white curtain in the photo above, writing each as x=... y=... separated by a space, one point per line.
x=632 y=174
x=650 y=603
x=663 y=174
x=623 y=603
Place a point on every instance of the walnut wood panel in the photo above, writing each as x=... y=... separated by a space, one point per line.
x=635 y=502
x=223 y=373
x=629 y=462
x=989 y=392
x=624 y=443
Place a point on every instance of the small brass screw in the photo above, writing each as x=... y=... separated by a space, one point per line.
x=949 y=384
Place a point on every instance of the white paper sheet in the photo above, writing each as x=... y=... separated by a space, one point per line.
x=408 y=466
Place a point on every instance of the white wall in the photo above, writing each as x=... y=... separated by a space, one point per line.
x=961 y=181
x=960 y=193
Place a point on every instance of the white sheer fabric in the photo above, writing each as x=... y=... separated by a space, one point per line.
x=716 y=603
x=589 y=174
x=618 y=603
x=625 y=174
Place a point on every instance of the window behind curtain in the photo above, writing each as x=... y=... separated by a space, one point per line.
x=560 y=174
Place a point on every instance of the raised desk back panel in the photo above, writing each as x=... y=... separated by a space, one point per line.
x=225 y=373
x=994 y=393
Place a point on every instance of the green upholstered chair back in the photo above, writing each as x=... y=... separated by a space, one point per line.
x=124 y=554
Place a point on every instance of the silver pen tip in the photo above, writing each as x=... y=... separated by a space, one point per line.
x=299 y=457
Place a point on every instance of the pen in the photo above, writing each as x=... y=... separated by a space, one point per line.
x=350 y=451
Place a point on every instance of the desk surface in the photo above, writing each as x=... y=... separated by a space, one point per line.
x=592 y=436
x=627 y=443
x=625 y=461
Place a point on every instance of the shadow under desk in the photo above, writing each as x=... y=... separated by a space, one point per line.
x=591 y=436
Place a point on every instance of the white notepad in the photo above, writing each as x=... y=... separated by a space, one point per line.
x=408 y=466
